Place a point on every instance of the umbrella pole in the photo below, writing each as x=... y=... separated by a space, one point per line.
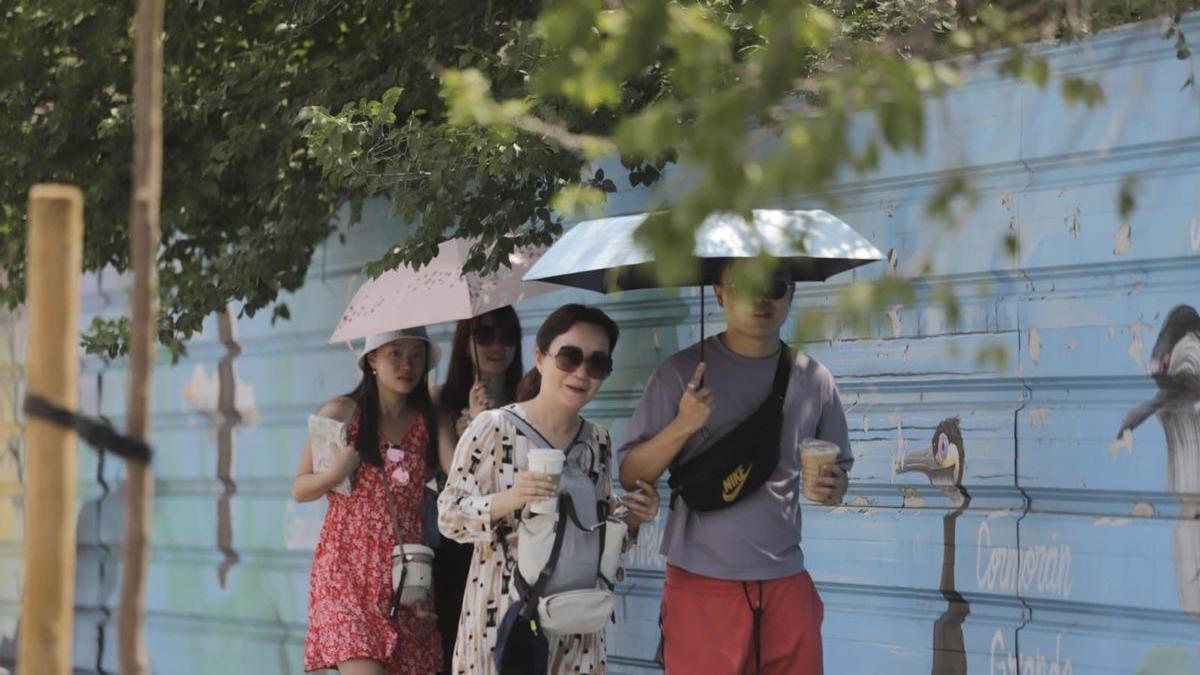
x=701 y=323
x=475 y=365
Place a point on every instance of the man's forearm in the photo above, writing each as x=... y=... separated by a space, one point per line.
x=648 y=461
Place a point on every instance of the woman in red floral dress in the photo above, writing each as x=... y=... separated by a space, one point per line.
x=393 y=451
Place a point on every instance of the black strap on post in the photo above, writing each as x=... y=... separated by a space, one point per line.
x=94 y=431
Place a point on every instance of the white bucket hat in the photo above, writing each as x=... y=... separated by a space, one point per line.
x=417 y=333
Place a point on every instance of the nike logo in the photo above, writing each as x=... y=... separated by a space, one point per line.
x=733 y=483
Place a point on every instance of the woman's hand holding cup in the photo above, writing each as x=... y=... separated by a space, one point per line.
x=547 y=462
x=530 y=487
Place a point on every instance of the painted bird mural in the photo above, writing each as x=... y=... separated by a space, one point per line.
x=1175 y=367
x=944 y=462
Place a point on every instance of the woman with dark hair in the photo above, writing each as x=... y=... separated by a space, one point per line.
x=489 y=485
x=485 y=367
x=354 y=624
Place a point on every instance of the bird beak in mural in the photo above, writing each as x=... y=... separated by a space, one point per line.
x=915 y=460
x=940 y=462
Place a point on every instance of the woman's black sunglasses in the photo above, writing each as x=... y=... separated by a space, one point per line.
x=569 y=358
x=486 y=336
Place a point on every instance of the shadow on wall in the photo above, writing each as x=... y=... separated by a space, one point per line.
x=227 y=403
x=944 y=462
x=1175 y=367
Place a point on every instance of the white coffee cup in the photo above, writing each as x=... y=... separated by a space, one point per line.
x=417 y=563
x=550 y=462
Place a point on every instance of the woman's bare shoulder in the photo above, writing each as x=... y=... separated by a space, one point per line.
x=340 y=409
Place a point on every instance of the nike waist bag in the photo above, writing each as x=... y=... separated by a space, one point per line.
x=738 y=463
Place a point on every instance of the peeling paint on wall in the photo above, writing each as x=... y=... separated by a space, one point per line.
x=1137 y=345
x=1142 y=510
x=894 y=315
x=1039 y=416
x=1073 y=222
x=1123 y=242
x=1035 y=344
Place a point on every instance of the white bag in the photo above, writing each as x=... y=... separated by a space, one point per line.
x=412 y=566
x=575 y=612
x=576 y=598
x=328 y=437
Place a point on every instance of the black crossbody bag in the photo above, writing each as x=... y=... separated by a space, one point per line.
x=739 y=462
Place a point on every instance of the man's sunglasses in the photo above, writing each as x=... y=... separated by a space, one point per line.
x=487 y=336
x=777 y=290
x=569 y=358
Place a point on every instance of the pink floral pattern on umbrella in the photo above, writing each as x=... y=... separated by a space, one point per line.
x=437 y=292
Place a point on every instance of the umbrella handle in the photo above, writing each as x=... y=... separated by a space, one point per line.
x=701 y=331
x=474 y=348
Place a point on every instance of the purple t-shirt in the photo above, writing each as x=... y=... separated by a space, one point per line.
x=759 y=537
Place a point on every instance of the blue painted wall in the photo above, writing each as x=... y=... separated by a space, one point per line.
x=1065 y=550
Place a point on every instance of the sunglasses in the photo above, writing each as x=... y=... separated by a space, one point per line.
x=777 y=290
x=487 y=336
x=569 y=358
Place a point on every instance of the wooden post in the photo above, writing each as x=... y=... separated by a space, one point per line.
x=53 y=267
x=143 y=334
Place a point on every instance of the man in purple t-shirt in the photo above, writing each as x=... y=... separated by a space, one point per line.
x=737 y=598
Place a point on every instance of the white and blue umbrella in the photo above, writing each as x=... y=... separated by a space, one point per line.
x=602 y=254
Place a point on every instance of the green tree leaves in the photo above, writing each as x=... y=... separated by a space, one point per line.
x=477 y=120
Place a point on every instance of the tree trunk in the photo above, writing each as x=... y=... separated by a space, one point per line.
x=144 y=226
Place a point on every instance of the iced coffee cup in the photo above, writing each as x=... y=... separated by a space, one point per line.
x=814 y=454
x=549 y=462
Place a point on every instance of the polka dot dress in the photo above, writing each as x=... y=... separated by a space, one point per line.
x=486 y=461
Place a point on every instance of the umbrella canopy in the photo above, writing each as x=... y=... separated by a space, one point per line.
x=602 y=255
x=438 y=292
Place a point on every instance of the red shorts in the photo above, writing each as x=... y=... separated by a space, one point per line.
x=708 y=625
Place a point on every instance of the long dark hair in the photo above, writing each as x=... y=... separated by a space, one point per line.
x=559 y=322
x=460 y=376
x=366 y=398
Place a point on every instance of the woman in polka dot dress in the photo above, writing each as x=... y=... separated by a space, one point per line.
x=488 y=485
x=393 y=451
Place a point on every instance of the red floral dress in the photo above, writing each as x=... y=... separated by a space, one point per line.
x=351 y=583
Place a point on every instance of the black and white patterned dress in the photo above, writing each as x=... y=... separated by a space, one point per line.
x=486 y=461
